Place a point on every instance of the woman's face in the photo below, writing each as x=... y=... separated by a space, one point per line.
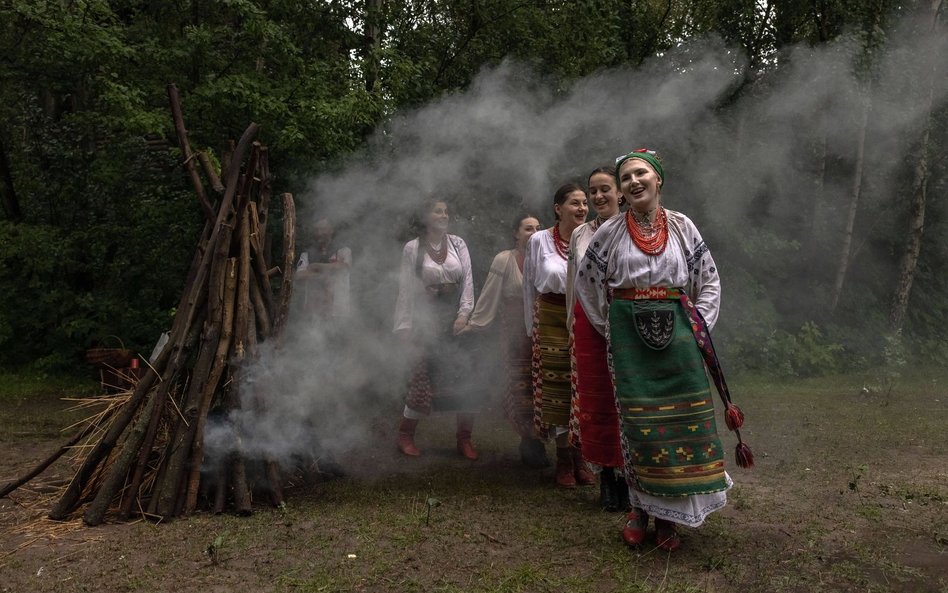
x=640 y=185
x=528 y=226
x=437 y=219
x=574 y=209
x=604 y=195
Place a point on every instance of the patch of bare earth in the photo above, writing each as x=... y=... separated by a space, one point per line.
x=835 y=503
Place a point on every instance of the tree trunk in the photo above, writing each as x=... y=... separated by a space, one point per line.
x=11 y=204
x=373 y=42
x=913 y=245
x=845 y=251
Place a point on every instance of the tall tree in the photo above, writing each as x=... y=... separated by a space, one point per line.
x=909 y=261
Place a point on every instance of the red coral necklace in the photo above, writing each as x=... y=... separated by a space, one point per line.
x=562 y=247
x=650 y=237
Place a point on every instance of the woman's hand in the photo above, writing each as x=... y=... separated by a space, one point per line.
x=459 y=324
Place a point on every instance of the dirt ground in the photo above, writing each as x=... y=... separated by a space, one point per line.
x=850 y=493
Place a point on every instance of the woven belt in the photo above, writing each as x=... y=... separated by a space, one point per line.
x=554 y=298
x=439 y=290
x=650 y=293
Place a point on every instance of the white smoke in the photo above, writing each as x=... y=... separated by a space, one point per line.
x=509 y=140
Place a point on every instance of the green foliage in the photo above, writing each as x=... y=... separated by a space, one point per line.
x=108 y=224
x=802 y=354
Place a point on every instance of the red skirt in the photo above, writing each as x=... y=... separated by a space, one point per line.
x=596 y=412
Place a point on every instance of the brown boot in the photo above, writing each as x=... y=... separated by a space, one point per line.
x=564 y=468
x=465 y=426
x=581 y=471
x=406 y=437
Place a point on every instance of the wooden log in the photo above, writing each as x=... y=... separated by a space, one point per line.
x=243 y=504
x=41 y=466
x=275 y=478
x=70 y=498
x=175 y=100
x=164 y=497
x=242 y=311
x=220 y=491
x=243 y=318
x=289 y=257
x=260 y=263
x=260 y=310
x=210 y=172
x=220 y=363
x=266 y=192
x=174 y=481
x=249 y=178
x=117 y=472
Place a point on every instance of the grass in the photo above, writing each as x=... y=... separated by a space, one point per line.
x=849 y=493
x=31 y=406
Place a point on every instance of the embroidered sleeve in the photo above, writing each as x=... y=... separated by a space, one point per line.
x=592 y=287
x=404 y=306
x=466 y=304
x=704 y=286
x=488 y=303
x=529 y=280
x=571 y=268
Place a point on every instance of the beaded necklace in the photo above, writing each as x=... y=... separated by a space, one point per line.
x=441 y=254
x=562 y=247
x=650 y=237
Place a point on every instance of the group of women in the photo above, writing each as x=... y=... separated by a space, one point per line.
x=612 y=366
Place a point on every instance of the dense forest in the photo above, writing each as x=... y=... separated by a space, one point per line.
x=807 y=138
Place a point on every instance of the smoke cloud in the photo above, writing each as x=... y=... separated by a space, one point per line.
x=741 y=161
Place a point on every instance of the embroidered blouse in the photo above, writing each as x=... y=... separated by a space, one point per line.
x=456 y=269
x=578 y=243
x=544 y=271
x=614 y=261
x=504 y=282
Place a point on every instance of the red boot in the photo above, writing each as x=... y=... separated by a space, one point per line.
x=465 y=426
x=635 y=527
x=666 y=535
x=565 y=477
x=581 y=471
x=406 y=437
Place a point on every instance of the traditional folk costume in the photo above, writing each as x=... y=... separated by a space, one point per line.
x=594 y=421
x=649 y=285
x=502 y=296
x=673 y=456
x=544 y=303
x=435 y=287
x=326 y=295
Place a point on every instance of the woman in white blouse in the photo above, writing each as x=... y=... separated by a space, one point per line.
x=544 y=304
x=648 y=284
x=435 y=299
x=502 y=297
x=594 y=421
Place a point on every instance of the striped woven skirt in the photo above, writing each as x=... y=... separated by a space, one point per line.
x=518 y=354
x=668 y=427
x=551 y=365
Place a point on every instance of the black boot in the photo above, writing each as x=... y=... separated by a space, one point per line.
x=621 y=496
x=533 y=453
x=607 y=489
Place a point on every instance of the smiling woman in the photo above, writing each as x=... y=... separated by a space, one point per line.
x=544 y=303
x=648 y=284
x=435 y=299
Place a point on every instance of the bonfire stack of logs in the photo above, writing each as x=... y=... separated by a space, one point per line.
x=149 y=460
